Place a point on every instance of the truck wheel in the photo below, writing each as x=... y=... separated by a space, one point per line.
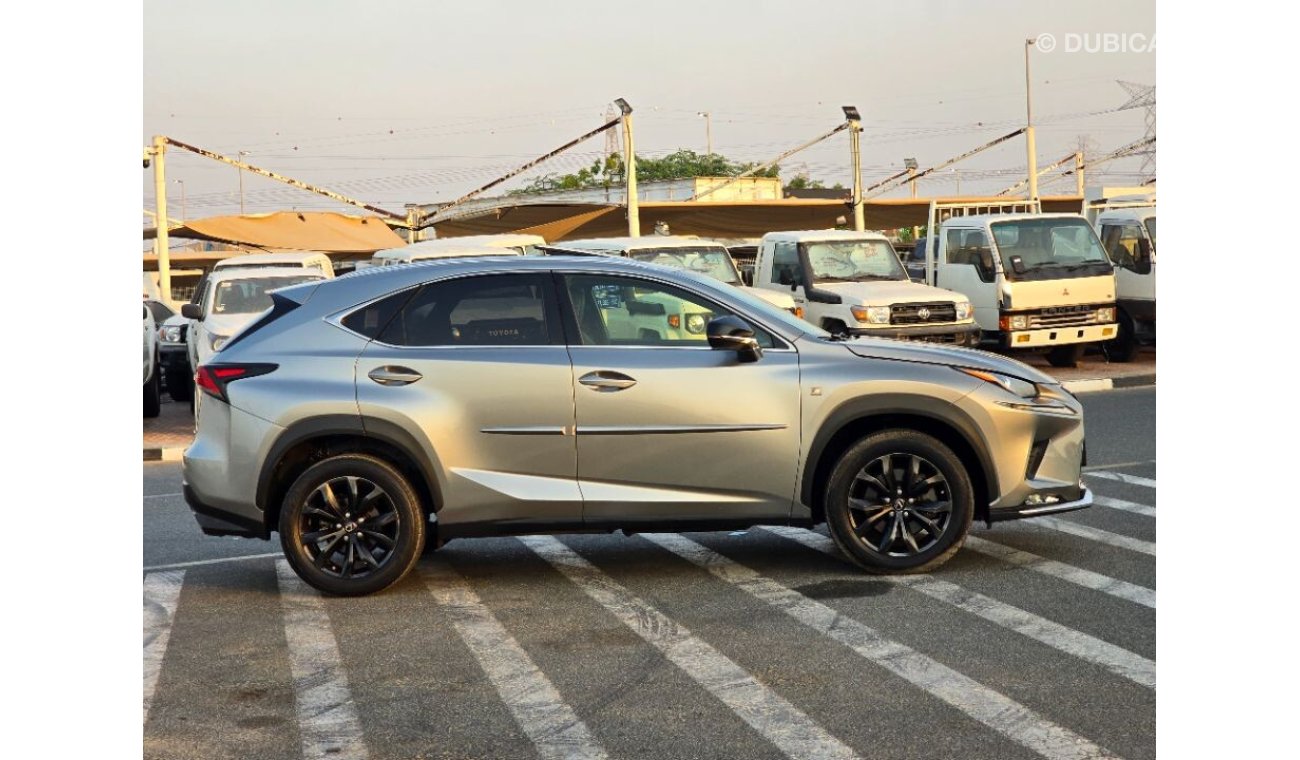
x=899 y=501
x=1124 y=347
x=351 y=525
x=1065 y=356
x=153 y=394
x=836 y=328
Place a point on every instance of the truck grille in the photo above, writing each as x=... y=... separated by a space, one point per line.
x=922 y=313
x=1063 y=316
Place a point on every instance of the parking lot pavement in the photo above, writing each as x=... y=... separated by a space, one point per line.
x=1037 y=640
x=167 y=435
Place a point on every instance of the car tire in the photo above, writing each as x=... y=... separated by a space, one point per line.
x=153 y=393
x=1124 y=347
x=869 y=514
x=324 y=531
x=1065 y=356
x=180 y=385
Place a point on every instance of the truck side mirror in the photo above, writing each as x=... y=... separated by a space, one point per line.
x=1142 y=264
x=191 y=311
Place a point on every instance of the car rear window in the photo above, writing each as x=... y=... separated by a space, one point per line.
x=484 y=310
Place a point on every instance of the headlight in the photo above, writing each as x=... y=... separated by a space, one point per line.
x=963 y=310
x=695 y=323
x=876 y=315
x=217 y=341
x=1106 y=314
x=1012 y=385
x=1014 y=322
x=170 y=334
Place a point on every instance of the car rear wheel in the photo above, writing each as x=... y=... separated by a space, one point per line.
x=351 y=525
x=899 y=501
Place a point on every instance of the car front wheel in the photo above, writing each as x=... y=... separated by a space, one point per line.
x=899 y=501
x=351 y=525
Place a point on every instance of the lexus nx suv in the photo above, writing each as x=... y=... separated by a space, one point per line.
x=370 y=417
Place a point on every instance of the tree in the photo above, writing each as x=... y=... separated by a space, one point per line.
x=609 y=172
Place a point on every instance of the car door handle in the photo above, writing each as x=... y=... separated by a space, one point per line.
x=389 y=375
x=606 y=381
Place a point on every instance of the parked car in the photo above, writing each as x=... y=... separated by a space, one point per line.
x=365 y=416
x=152 y=375
x=231 y=299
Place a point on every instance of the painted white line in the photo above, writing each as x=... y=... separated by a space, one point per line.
x=1077 y=644
x=1069 y=573
x=1096 y=534
x=1117 y=465
x=218 y=561
x=1088 y=386
x=162 y=495
x=1126 y=506
x=328 y=725
x=993 y=709
x=780 y=722
x=538 y=708
x=1123 y=478
x=161 y=591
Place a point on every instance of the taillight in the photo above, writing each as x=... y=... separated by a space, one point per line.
x=213 y=378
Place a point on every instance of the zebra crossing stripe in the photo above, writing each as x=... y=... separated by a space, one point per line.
x=993 y=709
x=328 y=725
x=1096 y=534
x=538 y=708
x=161 y=591
x=780 y=722
x=1126 y=506
x=1069 y=573
x=1122 y=478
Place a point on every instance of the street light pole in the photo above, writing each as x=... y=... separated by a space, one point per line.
x=1030 y=147
x=633 y=212
x=160 y=223
x=242 y=153
x=708 y=131
x=855 y=147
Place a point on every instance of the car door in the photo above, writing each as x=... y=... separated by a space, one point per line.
x=960 y=271
x=474 y=370
x=667 y=428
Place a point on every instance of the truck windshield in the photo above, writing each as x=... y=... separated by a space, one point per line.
x=252 y=295
x=853 y=260
x=1150 y=222
x=1041 y=249
x=707 y=260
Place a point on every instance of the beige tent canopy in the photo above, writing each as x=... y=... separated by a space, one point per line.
x=323 y=231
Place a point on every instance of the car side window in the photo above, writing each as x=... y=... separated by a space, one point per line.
x=481 y=310
x=1121 y=242
x=785 y=264
x=626 y=311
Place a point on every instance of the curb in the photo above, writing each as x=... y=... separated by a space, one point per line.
x=1106 y=384
x=172 y=454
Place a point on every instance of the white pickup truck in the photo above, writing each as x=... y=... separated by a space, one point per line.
x=852 y=284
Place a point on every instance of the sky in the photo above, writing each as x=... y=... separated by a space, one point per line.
x=415 y=102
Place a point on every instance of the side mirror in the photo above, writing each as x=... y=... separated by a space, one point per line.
x=192 y=311
x=1142 y=265
x=728 y=333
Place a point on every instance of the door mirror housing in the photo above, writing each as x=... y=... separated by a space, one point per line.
x=192 y=311
x=728 y=333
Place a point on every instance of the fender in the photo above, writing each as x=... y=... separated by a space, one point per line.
x=879 y=405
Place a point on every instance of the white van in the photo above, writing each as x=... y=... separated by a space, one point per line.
x=692 y=254
x=1125 y=220
x=427 y=250
x=303 y=260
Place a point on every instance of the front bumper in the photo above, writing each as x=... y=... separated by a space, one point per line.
x=957 y=335
x=1023 y=511
x=1059 y=336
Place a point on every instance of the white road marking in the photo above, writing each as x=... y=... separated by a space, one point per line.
x=780 y=722
x=1096 y=534
x=1125 y=506
x=161 y=591
x=1069 y=573
x=1122 y=477
x=328 y=725
x=538 y=708
x=162 y=495
x=993 y=709
x=1117 y=465
x=218 y=561
x=1091 y=649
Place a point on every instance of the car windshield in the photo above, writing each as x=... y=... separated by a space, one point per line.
x=251 y=295
x=854 y=260
x=1150 y=222
x=1050 y=246
x=708 y=260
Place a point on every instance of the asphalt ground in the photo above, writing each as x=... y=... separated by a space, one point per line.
x=1037 y=640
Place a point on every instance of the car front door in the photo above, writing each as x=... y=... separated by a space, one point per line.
x=474 y=371
x=961 y=271
x=667 y=428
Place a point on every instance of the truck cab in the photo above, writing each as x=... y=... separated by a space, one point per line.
x=1125 y=220
x=852 y=284
x=1036 y=281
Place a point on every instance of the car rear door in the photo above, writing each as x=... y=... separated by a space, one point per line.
x=474 y=369
x=667 y=428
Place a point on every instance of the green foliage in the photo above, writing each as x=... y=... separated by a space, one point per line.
x=608 y=172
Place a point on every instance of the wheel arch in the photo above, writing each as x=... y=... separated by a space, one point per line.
x=854 y=420
x=310 y=441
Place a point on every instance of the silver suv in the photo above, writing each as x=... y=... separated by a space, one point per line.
x=368 y=416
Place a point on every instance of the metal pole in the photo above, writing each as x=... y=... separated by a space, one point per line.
x=242 y=153
x=1078 y=174
x=629 y=157
x=855 y=147
x=708 y=132
x=160 y=197
x=1031 y=147
x=911 y=173
x=412 y=224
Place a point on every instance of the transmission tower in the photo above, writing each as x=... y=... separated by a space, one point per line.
x=1143 y=96
x=613 y=137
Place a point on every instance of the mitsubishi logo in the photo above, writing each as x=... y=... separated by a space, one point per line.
x=1065 y=291
x=922 y=313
